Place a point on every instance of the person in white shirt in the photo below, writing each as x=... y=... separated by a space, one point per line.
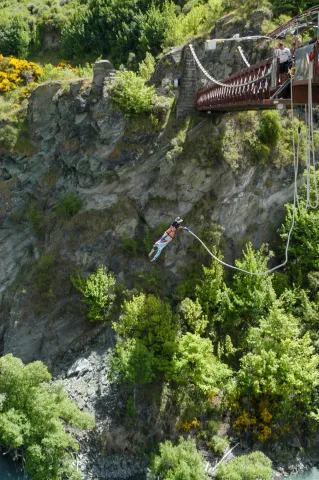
x=284 y=56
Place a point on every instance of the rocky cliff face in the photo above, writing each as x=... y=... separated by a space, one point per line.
x=133 y=177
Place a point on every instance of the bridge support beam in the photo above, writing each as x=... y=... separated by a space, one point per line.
x=188 y=86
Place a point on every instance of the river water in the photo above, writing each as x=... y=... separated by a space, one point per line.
x=311 y=475
x=9 y=471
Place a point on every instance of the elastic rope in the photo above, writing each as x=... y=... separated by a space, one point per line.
x=233 y=267
x=212 y=79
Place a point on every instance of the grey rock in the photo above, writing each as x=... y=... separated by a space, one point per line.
x=101 y=70
x=80 y=367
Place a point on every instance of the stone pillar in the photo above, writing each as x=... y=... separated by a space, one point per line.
x=102 y=69
x=188 y=86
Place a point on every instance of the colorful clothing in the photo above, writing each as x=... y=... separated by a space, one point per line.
x=165 y=239
x=160 y=244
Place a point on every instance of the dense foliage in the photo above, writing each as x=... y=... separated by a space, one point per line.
x=179 y=462
x=255 y=466
x=123 y=30
x=33 y=418
x=98 y=292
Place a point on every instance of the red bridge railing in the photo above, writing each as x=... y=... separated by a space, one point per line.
x=248 y=95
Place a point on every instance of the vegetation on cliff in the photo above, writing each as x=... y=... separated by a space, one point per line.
x=34 y=414
x=123 y=30
x=221 y=349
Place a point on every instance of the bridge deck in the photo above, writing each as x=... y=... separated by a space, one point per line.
x=262 y=93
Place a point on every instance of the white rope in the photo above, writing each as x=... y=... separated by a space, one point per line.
x=310 y=158
x=292 y=220
x=243 y=56
x=212 y=79
x=311 y=154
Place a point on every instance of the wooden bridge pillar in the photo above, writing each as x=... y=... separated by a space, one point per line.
x=186 y=101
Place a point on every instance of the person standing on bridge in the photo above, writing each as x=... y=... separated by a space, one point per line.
x=284 y=56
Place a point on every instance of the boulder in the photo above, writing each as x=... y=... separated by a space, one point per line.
x=79 y=368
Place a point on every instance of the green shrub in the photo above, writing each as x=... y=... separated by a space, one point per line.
x=68 y=205
x=151 y=321
x=255 y=466
x=15 y=36
x=195 y=368
x=8 y=137
x=52 y=73
x=180 y=462
x=34 y=415
x=132 y=362
x=129 y=244
x=270 y=128
x=37 y=220
x=218 y=444
x=98 y=292
x=131 y=94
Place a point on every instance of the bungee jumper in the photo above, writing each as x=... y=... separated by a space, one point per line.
x=165 y=239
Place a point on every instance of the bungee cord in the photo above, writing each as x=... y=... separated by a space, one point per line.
x=310 y=159
x=296 y=167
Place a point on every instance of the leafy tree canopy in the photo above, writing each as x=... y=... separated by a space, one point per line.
x=195 y=366
x=33 y=414
x=180 y=462
x=255 y=466
x=98 y=292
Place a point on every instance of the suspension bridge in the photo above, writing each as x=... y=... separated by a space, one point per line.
x=259 y=85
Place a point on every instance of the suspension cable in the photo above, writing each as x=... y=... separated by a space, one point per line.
x=212 y=79
x=243 y=56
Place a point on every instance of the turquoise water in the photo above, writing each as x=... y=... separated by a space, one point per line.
x=311 y=475
x=9 y=471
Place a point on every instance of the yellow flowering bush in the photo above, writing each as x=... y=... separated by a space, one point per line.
x=244 y=421
x=186 y=426
x=25 y=92
x=264 y=434
x=13 y=72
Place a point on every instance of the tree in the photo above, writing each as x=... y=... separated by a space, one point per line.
x=249 y=296
x=15 y=36
x=255 y=466
x=281 y=365
x=98 y=292
x=303 y=250
x=182 y=462
x=270 y=129
x=151 y=321
x=208 y=291
x=131 y=94
x=33 y=416
x=195 y=367
x=132 y=362
x=192 y=316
